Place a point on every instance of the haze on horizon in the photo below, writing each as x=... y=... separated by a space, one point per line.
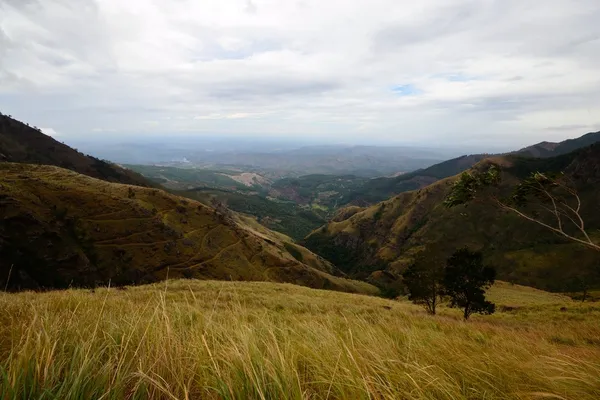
x=479 y=72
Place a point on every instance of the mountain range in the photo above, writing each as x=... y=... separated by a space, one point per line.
x=379 y=189
x=69 y=219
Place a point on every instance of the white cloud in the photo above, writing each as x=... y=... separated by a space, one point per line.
x=50 y=132
x=497 y=71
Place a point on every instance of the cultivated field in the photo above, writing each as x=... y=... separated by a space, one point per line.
x=189 y=339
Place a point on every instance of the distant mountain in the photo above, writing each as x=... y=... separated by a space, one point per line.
x=24 y=144
x=363 y=161
x=381 y=240
x=379 y=189
x=60 y=229
x=550 y=149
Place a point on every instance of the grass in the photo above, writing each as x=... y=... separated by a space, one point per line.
x=190 y=339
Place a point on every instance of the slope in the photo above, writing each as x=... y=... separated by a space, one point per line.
x=386 y=236
x=60 y=228
x=254 y=340
x=380 y=189
x=24 y=144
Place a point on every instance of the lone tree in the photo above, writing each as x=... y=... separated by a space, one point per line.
x=424 y=282
x=550 y=201
x=465 y=280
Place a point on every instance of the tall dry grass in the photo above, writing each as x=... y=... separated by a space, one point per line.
x=196 y=340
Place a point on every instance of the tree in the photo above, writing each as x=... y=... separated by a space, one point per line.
x=550 y=201
x=423 y=280
x=465 y=280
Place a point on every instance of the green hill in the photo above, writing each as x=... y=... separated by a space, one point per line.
x=24 y=144
x=386 y=236
x=60 y=228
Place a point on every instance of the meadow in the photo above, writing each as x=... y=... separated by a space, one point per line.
x=189 y=339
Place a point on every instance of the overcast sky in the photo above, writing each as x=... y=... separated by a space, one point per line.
x=506 y=72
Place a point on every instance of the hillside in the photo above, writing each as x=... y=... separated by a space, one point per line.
x=24 y=144
x=188 y=339
x=60 y=228
x=387 y=235
x=286 y=217
x=380 y=189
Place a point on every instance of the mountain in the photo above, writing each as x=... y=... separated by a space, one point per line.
x=60 y=228
x=379 y=189
x=22 y=143
x=381 y=240
x=273 y=164
x=550 y=149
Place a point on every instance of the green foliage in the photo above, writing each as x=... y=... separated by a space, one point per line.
x=423 y=280
x=467 y=186
x=465 y=281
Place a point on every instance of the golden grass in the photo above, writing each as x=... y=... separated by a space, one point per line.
x=191 y=339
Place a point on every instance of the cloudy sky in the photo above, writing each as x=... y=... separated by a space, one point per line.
x=505 y=72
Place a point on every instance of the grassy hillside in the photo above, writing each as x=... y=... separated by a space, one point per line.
x=386 y=236
x=190 y=339
x=60 y=228
x=24 y=144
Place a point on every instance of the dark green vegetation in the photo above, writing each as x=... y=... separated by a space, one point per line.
x=283 y=216
x=462 y=278
x=24 y=144
x=423 y=280
x=388 y=236
x=465 y=280
x=321 y=192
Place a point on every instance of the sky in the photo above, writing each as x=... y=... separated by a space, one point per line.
x=444 y=72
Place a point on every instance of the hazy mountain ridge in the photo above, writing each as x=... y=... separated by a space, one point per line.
x=379 y=189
